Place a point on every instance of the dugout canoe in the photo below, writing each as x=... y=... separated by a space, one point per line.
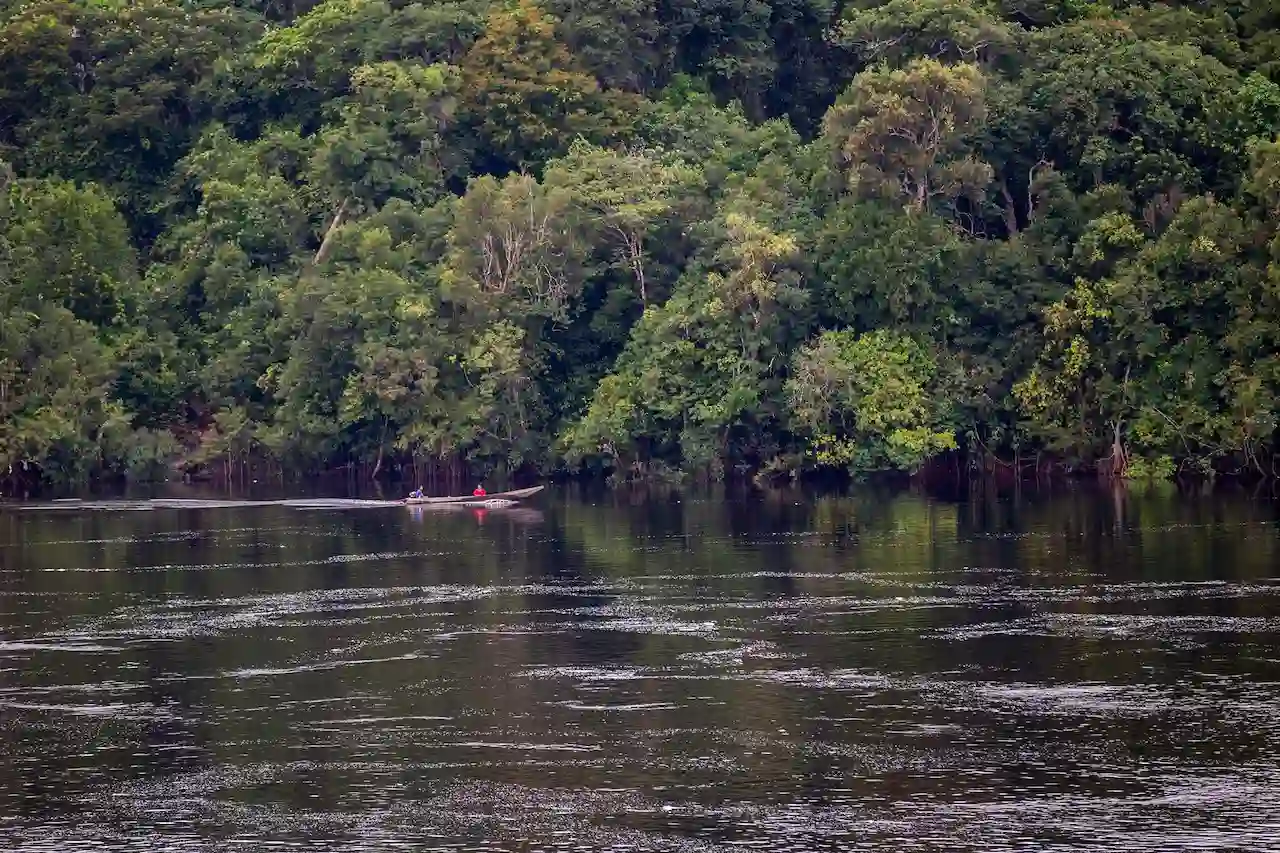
x=496 y=499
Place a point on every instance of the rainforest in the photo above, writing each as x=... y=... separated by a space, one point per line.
x=639 y=238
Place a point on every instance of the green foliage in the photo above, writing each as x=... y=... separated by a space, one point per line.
x=907 y=133
x=1158 y=468
x=514 y=247
x=54 y=381
x=526 y=98
x=868 y=402
x=387 y=137
x=902 y=272
x=68 y=246
x=292 y=74
x=702 y=363
x=112 y=93
x=1123 y=110
x=639 y=238
x=950 y=30
x=67 y=278
x=626 y=200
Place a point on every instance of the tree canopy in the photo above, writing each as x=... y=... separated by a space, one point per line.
x=638 y=238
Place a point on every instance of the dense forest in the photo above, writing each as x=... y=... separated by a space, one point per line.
x=643 y=238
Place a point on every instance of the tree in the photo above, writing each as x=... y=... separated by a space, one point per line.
x=112 y=93
x=65 y=265
x=1079 y=396
x=1124 y=111
x=865 y=402
x=907 y=133
x=387 y=141
x=293 y=72
x=639 y=237
x=55 y=403
x=525 y=96
x=68 y=246
x=945 y=30
x=513 y=248
x=630 y=197
x=624 y=44
x=703 y=362
x=902 y=270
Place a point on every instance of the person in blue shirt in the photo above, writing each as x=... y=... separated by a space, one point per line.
x=416 y=493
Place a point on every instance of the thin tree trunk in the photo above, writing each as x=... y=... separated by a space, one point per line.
x=637 y=263
x=382 y=443
x=1119 y=462
x=1010 y=210
x=326 y=244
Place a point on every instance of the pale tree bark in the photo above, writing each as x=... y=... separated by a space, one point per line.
x=633 y=245
x=326 y=244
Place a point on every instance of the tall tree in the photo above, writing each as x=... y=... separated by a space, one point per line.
x=908 y=134
x=868 y=402
x=526 y=97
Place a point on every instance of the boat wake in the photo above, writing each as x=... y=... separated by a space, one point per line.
x=185 y=503
x=499 y=500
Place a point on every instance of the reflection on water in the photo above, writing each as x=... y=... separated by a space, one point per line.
x=1067 y=672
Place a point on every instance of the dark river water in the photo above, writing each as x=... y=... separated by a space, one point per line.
x=1069 y=671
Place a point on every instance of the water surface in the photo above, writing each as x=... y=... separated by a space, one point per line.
x=1067 y=671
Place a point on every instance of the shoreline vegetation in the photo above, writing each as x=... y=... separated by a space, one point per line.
x=640 y=241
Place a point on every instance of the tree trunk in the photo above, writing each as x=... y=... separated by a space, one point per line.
x=1010 y=210
x=1119 y=461
x=382 y=443
x=633 y=244
x=637 y=263
x=326 y=244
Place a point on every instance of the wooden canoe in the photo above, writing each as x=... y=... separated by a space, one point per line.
x=506 y=498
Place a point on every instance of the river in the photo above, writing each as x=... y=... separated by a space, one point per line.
x=1042 y=670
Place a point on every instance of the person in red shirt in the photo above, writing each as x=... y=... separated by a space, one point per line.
x=479 y=492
